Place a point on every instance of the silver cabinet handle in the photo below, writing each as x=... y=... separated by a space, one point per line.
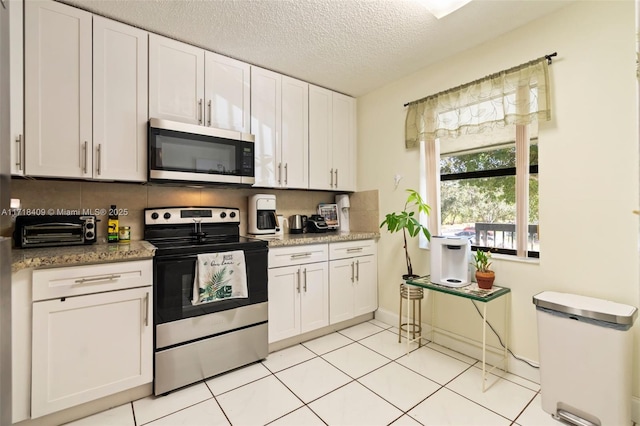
x=209 y=116
x=84 y=156
x=146 y=310
x=99 y=158
x=352 y=271
x=286 y=174
x=200 y=106
x=336 y=178
x=351 y=250
x=357 y=270
x=279 y=173
x=19 y=159
x=299 y=255
x=103 y=278
x=331 y=174
x=305 y=279
x=298 y=281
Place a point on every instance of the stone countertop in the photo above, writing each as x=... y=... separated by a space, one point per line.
x=288 y=240
x=79 y=255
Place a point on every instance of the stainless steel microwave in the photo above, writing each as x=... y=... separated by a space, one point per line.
x=198 y=154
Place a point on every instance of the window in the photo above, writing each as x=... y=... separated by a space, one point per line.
x=479 y=168
x=479 y=196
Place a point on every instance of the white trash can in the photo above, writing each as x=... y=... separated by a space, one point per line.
x=585 y=351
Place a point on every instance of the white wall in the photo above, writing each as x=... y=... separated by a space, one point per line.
x=588 y=166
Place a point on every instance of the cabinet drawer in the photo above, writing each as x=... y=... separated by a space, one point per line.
x=77 y=280
x=351 y=249
x=288 y=256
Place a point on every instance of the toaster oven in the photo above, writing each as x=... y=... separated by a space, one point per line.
x=54 y=230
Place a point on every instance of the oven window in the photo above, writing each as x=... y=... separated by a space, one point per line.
x=173 y=284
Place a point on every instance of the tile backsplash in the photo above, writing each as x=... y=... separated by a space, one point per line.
x=77 y=195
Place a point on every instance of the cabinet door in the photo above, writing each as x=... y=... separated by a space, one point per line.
x=295 y=133
x=343 y=142
x=88 y=347
x=314 y=309
x=284 y=302
x=321 y=174
x=266 y=110
x=227 y=92
x=16 y=91
x=176 y=80
x=341 y=290
x=57 y=90
x=366 y=285
x=119 y=101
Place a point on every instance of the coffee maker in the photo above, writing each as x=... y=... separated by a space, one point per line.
x=262 y=214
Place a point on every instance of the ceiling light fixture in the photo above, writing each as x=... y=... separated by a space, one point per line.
x=441 y=8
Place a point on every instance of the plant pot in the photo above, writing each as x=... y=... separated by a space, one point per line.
x=485 y=279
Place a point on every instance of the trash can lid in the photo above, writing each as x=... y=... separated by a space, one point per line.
x=588 y=307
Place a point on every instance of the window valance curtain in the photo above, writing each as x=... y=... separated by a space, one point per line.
x=519 y=95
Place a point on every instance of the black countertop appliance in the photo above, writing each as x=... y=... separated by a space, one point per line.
x=317 y=224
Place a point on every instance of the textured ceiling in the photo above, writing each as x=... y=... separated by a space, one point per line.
x=351 y=46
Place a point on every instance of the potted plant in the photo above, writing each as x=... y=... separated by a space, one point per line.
x=484 y=275
x=408 y=222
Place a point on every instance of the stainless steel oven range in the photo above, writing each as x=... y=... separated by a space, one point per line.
x=196 y=341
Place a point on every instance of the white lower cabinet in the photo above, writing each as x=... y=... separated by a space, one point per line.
x=298 y=294
x=354 y=279
x=88 y=346
x=313 y=286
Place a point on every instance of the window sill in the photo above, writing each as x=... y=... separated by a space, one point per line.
x=510 y=258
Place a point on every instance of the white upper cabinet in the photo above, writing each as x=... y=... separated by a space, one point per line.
x=266 y=118
x=295 y=133
x=119 y=101
x=16 y=94
x=227 y=94
x=176 y=80
x=280 y=123
x=332 y=140
x=320 y=134
x=85 y=95
x=344 y=142
x=57 y=90
x=191 y=85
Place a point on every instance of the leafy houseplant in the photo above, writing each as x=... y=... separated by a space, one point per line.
x=407 y=222
x=484 y=275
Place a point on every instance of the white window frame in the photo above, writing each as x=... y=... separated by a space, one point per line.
x=430 y=188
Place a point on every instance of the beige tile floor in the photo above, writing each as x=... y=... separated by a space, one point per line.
x=357 y=376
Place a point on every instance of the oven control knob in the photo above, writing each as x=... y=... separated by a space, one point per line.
x=154 y=216
x=167 y=215
x=223 y=215
x=232 y=215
